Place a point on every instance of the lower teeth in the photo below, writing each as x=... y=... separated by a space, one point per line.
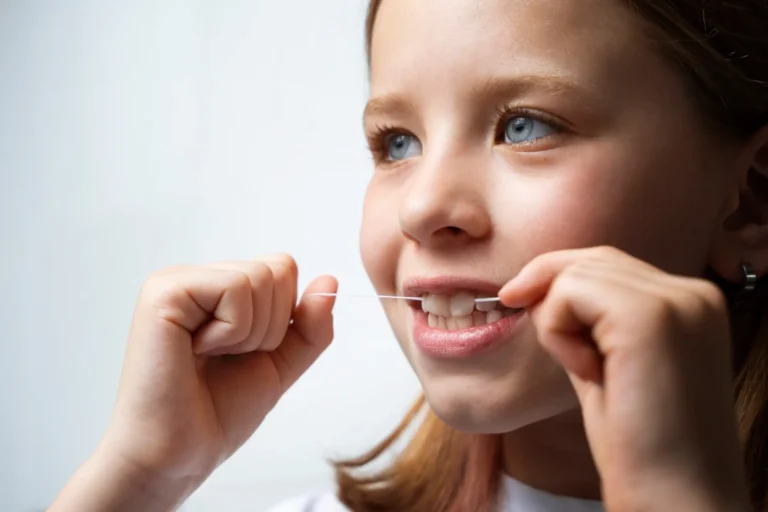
x=477 y=319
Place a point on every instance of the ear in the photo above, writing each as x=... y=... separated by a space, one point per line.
x=743 y=233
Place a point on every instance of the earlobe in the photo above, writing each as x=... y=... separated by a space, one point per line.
x=743 y=235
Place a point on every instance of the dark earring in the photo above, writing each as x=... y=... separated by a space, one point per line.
x=750 y=277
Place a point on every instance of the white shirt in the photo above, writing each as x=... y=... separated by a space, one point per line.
x=517 y=497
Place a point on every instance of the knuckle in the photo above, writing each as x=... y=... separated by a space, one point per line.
x=284 y=272
x=700 y=297
x=572 y=273
x=163 y=297
x=607 y=251
x=546 y=323
x=240 y=282
x=260 y=272
x=660 y=311
x=683 y=310
x=564 y=286
x=237 y=330
x=286 y=262
x=712 y=295
x=159 y=287
x=560 y=285
x=709 y=305
x=706 y=321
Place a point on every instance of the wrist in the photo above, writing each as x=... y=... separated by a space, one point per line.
x=108 y=482
x=155 y=490
x=679 y=494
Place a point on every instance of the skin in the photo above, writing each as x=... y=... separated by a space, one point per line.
x=617 y=324
x=634 y=169
x=212 y=348
x=618 y=382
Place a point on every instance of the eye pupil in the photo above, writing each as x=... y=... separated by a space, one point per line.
x=520 y=129
x=399 y=146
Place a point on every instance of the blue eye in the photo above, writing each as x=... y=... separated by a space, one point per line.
x=522 y=129
x=400 y=146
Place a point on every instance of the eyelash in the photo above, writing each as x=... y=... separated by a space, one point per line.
x=377 y=138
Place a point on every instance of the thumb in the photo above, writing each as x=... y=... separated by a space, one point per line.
x=309 y=334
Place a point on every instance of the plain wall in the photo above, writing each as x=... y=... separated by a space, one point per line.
x=135 y=135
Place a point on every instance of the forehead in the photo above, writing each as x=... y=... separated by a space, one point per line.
x=431 y=44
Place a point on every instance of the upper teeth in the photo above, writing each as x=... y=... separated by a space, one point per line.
x=459 y=305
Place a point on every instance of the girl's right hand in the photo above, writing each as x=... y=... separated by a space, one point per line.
x=211 y=350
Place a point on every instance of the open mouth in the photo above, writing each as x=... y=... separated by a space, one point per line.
x=450 y=323
x=459 y=311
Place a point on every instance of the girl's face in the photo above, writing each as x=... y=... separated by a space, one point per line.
x=504 y=129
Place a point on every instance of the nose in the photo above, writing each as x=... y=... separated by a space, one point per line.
x=446 y=204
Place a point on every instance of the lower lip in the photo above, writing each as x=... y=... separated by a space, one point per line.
x=444 y=344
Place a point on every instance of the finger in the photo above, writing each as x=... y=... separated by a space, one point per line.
x=285 y=275
x=309 y=335
x=534 y=280
x=261 y=282
x=589 y=312
x=566 y=335
x=577 y=354
x=211 y=306
x=592 y=398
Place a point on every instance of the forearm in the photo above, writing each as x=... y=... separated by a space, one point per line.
x=104 y=484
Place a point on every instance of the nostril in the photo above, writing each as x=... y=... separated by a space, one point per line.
x=449 y=233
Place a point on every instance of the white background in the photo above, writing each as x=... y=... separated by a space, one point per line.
x=134 y=135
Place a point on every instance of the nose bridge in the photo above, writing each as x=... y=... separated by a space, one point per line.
x=443 y=179
x=446 y=196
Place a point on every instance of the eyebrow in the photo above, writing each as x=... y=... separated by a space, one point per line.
x=496 y=86
x=493 y=87
x=387 y=104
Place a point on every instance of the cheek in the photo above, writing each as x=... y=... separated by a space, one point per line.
x=567 y=205
x=660 y=205
x=650 y=204
x=381 y=243
x=380 y=238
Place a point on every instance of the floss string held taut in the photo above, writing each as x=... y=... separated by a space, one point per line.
x=391 y=297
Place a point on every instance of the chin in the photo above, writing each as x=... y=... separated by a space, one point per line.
x=479 y=405
x=502 y=390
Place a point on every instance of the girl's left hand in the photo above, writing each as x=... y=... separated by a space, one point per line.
x=648 y=354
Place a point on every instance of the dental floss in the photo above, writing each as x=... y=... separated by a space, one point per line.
x=392 y=297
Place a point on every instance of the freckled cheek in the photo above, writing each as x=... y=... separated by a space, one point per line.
x=381 y=240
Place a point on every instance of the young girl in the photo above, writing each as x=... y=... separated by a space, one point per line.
x=601 y=166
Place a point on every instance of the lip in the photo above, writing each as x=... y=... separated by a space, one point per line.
x=417 y=286
x=464 y=343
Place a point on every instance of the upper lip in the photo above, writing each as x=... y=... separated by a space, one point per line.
x=447 y=285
